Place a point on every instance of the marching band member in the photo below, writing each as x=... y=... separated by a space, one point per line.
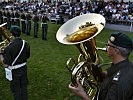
x=23 y=22
x=36 y=24
x=14 y=57
x=44 y=27
x=118 y=83
x=28 y=23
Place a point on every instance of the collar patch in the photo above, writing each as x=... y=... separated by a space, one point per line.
x=116 y=77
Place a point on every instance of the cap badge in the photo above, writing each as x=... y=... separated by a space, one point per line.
x=112 y=39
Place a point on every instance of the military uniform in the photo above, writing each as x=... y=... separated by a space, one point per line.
x=23 y=23
x=118 y=84
x=1 y=22
x=12 y=18
x=1 y=17
x=44 y=27
x=8 y=20
x=36 y=25
x=19 y=83
x=4 y=17
x=16 y=19
x=28 y=23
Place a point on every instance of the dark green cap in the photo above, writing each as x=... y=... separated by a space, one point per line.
x=15 y=30
x=121 y=40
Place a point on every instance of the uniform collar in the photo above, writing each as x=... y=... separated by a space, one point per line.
x=17 y=38
x=116 y=67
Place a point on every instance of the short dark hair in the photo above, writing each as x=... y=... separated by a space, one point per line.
x=15 y=30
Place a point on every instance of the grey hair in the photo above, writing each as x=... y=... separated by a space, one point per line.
x=125 y=52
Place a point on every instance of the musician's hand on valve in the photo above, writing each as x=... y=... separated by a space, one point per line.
x=78 y=90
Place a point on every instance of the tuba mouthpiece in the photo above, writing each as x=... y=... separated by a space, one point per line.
x=104 y=49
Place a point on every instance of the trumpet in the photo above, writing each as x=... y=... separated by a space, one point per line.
x=78 y=32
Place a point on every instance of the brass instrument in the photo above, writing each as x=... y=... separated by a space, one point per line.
x=6 y=35
x=87 y=70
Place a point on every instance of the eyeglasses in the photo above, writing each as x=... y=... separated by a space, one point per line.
x=110 y=45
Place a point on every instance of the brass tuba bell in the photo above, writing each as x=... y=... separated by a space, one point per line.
x=83 y=29
x=6 y=35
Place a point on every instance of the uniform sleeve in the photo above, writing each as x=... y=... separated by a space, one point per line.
x=7 y=57
x=112 y=93
x=120 y=90
x=28 y=50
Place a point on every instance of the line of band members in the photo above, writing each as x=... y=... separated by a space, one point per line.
x=23 y=19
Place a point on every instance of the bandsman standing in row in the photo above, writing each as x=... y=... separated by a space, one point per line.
x=28 y=23
x=36 y=25
x=5 y=17
x=1 y=16
x=12 y=17
x=1 y=22
x=23 y=20
x=8 y=19
x=16 y=19
x=44 y=27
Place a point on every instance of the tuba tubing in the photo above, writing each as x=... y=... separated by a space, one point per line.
x=6 y=35
x=87 y=70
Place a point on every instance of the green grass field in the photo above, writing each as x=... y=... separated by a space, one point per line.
x=47 y=72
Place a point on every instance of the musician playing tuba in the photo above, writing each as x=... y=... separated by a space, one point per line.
x=118 y=82
x=14 y=57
